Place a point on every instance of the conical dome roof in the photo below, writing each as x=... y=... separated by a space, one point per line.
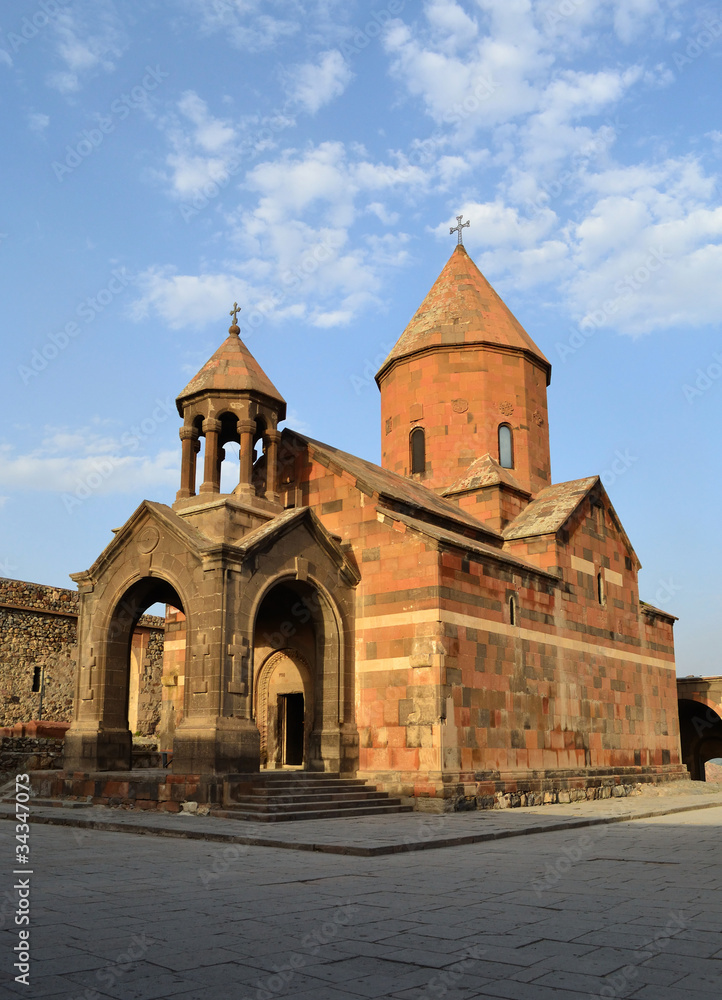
x=231 y=369
x=462 y=309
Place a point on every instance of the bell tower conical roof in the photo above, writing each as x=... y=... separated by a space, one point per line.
x=231 y=369
x=463 y=309
x=231 y=400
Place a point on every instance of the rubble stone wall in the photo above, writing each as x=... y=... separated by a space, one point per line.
x=38 y=627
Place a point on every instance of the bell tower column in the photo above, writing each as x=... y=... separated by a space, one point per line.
x=211 y=470
x=274 y=439
x=189 y=438
x=246 y=430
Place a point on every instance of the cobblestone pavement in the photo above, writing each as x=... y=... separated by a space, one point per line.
x=630 y=909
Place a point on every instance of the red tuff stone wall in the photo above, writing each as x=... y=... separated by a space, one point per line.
x=450 y=694
x=460 y=397
x=546 y=692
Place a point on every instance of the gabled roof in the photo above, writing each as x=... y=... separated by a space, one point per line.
x=484 y=471
x=268 y=533
x=550 y=509
x=462 y=542
x=231 y=369
x=393 y=487
x=462 y=309
x=168 y=520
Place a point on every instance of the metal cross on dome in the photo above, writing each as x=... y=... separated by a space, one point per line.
x=236 y=309
x=457 y=229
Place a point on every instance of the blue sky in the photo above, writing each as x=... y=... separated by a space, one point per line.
x=163 y=159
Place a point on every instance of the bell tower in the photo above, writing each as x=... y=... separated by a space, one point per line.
x=465 y=380
x=230 y=399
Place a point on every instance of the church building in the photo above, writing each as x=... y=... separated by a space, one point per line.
x=448 y=625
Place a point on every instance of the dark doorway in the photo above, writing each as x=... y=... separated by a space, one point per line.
x=290 y=714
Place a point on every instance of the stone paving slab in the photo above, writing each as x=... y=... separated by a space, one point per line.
x=370 y=836
x=619 y=909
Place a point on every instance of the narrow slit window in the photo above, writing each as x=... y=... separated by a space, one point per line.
x=512 y=610
x=36 y=678
x=418 y=450
x=600 y=588
x=506 y=447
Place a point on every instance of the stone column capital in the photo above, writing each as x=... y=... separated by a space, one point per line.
x=188 y=433
x=211 y=424
x=246 y=426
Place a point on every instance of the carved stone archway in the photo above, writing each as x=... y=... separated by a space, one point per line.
x=270 y=749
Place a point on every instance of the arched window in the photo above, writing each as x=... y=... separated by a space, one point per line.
x=418 y=450
x=600 y=588
x=506 y=447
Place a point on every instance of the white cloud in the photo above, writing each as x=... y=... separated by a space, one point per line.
x=382 y=213
x=85 y=462
x=89 y=36
x=297 y=423
x=498 y=225
x=5 y=58
x=649 y=245
x=243 y=24
x=38 y=122
x=203 y=147
x=188 y=300
x=493 y=80
x=313 y=85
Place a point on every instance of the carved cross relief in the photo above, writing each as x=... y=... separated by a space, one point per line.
x=86 y=686
x=238 y=651
x=201 y=655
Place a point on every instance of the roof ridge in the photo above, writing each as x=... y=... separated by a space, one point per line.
x=399 y=488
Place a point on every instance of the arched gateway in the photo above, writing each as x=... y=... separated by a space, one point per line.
x=250 y=578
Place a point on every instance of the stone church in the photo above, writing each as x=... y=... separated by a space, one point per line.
x=447 y=624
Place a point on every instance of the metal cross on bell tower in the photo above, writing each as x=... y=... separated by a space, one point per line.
x=457 y=229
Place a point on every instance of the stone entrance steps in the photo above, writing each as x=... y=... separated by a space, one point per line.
x=281 y=796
